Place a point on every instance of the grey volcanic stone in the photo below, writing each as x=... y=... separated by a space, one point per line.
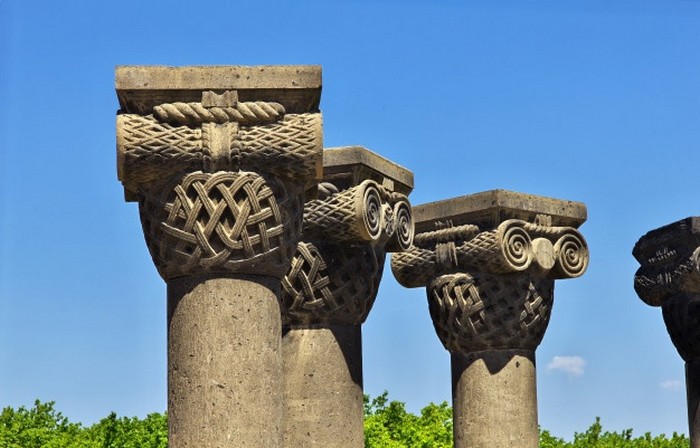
x=224 y=362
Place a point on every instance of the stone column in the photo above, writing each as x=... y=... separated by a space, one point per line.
x=489 y=262
x=669 y=277
x=218 y=159
x=361 y=212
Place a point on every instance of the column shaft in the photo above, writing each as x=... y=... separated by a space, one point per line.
x=224 y=362
x=692 y=381
x=323 y=387
x=494 y=397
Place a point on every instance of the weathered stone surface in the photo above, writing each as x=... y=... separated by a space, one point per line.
x=495 y=399
x=350 y=165
x=478 y=311
x=488 y=262
x=499 y=238
x=296 y=87
x=323 y=387
x=360 y=212
x=224 y=362
x=490 y=208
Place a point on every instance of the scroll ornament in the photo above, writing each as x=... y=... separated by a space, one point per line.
x=337 y=268
x=514 y=246
x=219 y=183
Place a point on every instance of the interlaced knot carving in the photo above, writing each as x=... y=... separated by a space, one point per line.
x=219 y=223
x=331 y=283
x=192 y=114
x=473 y=312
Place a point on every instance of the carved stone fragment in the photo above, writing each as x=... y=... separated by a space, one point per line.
x=484 y=311
x=670 y=262
x=669 y=277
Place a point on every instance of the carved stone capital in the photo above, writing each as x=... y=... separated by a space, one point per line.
x=347 y=231
x=669 y=276
x=218 y=159
x=670 y=262
x=489 y=262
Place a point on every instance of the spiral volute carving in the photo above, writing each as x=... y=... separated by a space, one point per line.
x=572 y=256
x=517 y=248
x=560 y=252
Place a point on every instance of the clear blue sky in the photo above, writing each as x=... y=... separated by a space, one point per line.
x=594 y=101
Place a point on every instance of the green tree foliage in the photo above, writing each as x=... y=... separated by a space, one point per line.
x=595 y=437
x=387 y=425
x=43 y=427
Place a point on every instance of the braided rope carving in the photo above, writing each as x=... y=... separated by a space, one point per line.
x=221 y=222
x=483 y=311
x=149 y=150
x=559 y=252
x=191 y=114
x=331 y=284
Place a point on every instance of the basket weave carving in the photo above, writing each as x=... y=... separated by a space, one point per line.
x=473 y=312
x=330 y=283
x=221 y=222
